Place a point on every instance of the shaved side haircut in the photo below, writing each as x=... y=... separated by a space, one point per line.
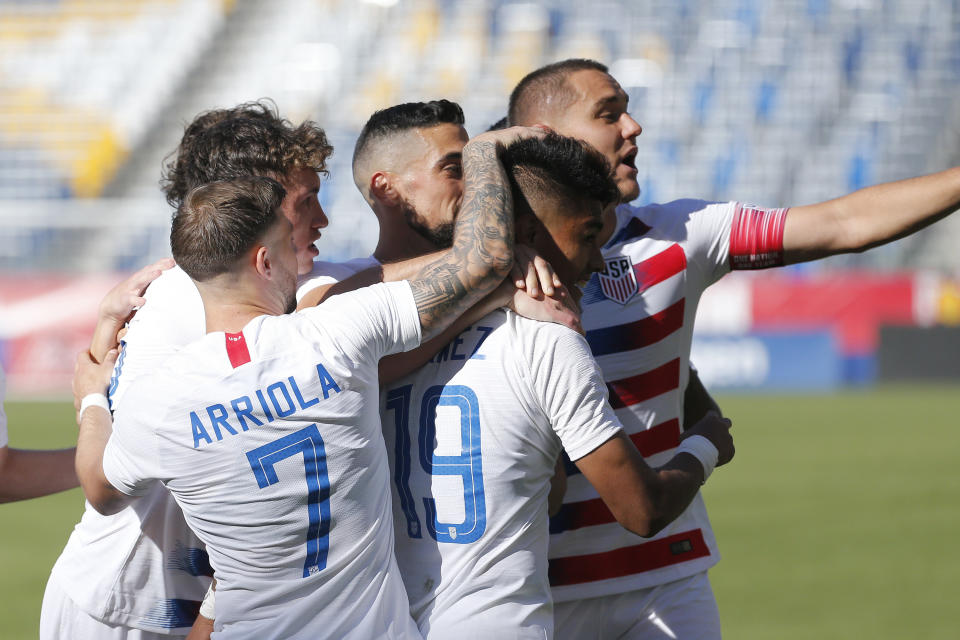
x=387 y=123
x=546 y=88
x=250 y=139
x=557 y=169
x=217 y=223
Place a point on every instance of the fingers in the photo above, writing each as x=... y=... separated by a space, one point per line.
x=139 y=281
x=534 y=274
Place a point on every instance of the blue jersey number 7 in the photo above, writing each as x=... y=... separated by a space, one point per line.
x=308 y=442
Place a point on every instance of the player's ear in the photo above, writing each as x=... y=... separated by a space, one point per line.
x=382 y=187
x=261 y=261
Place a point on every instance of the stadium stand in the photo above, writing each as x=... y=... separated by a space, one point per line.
x=777 y=103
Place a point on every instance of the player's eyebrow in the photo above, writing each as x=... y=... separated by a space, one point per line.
x=613 y=98
x=453 y=156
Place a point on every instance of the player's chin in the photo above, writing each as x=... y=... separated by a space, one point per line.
x=629 y=188
x=304 y=263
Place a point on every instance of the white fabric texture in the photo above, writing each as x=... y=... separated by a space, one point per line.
x=233 y=445
x=489 y=414
x=681 y=610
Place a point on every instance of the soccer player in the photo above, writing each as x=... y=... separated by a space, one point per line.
x=638 y=314
x=475 y=434
x=260 y=389
x=142 y=573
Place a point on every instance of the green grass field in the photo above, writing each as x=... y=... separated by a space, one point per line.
x=839 y=517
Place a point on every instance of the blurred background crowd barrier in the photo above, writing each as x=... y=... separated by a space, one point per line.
x=774 y=103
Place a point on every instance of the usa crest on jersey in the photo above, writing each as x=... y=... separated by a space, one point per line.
x=617 y=280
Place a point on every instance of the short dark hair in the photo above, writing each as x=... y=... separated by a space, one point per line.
x=558 y=166
x=548 y=81
x=250 y=139
x=403 y=117
x=217 y=223
x=499 y=124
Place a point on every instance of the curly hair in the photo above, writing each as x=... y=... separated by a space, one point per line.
x=250 y=139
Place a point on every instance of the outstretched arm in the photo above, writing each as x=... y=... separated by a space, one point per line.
x=869 y=217
x=26 y=474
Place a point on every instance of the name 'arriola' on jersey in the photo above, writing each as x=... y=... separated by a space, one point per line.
x=283 y=397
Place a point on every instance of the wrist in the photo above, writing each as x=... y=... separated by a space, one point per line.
x=703 y=450
x=94 y=400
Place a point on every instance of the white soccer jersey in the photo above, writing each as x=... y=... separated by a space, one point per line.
x=3 y=415
x=324 y=273
x=270 y=442
x=474 y=437
x=142 y=567
x=638 y=315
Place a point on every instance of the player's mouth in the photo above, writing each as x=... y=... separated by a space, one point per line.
x=630 y=160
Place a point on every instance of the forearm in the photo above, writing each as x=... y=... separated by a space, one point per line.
x=400 y=364
x=677 y=483
x=26 y=474
x=870 y=217
x=391 y=272
x=697 y=401
x=95 y=432
x=105 y=337
x=482 y=251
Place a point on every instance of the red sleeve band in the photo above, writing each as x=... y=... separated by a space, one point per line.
x=756 y=237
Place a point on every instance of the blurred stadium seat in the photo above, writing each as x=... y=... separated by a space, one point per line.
x=775 y=103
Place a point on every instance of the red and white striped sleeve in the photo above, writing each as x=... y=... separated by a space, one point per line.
x=756 y=237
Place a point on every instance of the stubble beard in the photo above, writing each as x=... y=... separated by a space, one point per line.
x=440 y=236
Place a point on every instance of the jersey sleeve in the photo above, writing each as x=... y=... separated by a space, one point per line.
x=571 y=390
x=371 y=322
x=702 y=228
x=171 y=318
x=3 y=416
x=131 y=460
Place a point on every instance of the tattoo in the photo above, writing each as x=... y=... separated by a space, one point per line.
x=482 y=251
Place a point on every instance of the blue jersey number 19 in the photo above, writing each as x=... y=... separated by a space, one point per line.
x=308 y=442
x=467 y=464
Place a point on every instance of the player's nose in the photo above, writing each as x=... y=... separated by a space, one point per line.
x=320 y=219
x=631 y=128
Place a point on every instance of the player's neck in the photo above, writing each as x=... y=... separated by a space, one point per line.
x=396 y=245
x=229 y=309
x=232 y=318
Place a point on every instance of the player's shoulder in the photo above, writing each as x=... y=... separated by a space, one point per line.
x=668 y=221
x=668 y=211
x=535 y=336
x=326 y=273
x=172 y=283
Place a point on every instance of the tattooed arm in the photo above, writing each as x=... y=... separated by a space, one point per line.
x=482 y=251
